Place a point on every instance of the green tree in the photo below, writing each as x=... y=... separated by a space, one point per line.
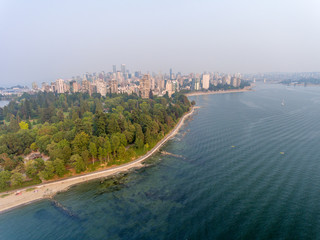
x=60 y=115
x=129 y=136
x=99 y=126
x=27 y=151
x=145 y=107
x=93 y=151
x=4 y=179
x=7 y=162
x=60 y=150
x=113 y=126
x=78 y=163
x=59 y=167
x=115 y=143
x=16 y=179
x=53 y=150
x=98 y=105
x=13 y=125
x=42 y=142
x=122 y=152
x=101 y=154
x=80 y=143
x=85 y=156
x=123 y=139
x=147 y=136
x=79 y=125
x=31 y=171
x=59 y=136
x=139 y=139
x=75 y=115
x=48 y=171
x=66 y=153
x=47 y=113
x=33 y=167
x=39 y=163
x=107 y=148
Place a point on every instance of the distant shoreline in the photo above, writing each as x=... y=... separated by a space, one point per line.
x=48 y=190
x=246 y=89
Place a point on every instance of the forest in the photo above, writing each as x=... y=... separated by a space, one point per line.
x=48 y=135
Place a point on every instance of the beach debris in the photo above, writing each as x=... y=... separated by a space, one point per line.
x=282 y=153
x=233 y=146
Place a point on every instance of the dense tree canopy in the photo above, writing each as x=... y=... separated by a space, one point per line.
x=78 y=131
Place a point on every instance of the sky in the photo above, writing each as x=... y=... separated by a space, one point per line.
x=44 y=40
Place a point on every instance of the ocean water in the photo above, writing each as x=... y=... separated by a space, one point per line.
x=245 y=167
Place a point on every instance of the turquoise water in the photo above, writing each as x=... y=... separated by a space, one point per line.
x=231 y=181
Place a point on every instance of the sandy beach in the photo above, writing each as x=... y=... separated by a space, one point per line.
x=35 y=193
x=246 y=89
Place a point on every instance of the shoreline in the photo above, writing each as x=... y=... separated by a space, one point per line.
x=246 y=89
x=48 y=190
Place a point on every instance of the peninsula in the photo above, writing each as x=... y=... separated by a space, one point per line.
x=47 y=190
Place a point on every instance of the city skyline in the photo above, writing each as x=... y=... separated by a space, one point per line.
x=142 y=84
x=42 y=41
x=277 y=76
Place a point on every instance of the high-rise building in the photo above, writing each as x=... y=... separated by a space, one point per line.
x=170 y=76
x=34 y=86
x=137 y=74
x=123 y=68
x=86 y=87
x=169 y=88
x=145 y=86
x=205 y=81
x=101 y=87
x=152 y=83
x=45 y=87
x=175 y=86
x=228 y=80
x=60 y=86
x=114 y=86
x=235 y=82
x=101 y=75
x=119 y=77
x=74 y=86
x=196 y=85
x=161 y=83
x=224 y=80
x=93 y=89
x=53 y=87
x=114 y=68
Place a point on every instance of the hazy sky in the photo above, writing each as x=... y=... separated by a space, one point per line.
x=44 y=40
